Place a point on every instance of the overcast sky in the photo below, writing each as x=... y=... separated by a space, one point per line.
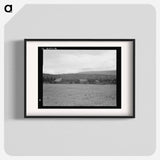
x=74 y=61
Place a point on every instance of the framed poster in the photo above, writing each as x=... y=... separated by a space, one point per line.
x=80 y=78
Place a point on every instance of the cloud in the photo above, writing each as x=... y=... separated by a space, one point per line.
x=74 y=61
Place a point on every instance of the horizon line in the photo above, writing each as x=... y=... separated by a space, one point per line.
x=80 y=72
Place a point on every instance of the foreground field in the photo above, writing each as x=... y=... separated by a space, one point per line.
x=79 y=95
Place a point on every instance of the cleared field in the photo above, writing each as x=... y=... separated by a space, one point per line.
x=79 y=95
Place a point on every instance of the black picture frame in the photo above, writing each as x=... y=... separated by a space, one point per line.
x=39 y=71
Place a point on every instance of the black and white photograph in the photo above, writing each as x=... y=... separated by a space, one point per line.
x=79 y=77
x=92 y=78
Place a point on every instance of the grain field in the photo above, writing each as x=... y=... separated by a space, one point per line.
x=79 y=95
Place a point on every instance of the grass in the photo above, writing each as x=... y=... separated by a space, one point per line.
x=79 y=95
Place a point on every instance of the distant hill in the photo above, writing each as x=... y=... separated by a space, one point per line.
x=92 y=77
x=111 y=72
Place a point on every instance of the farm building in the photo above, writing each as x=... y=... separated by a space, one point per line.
x=97 y=81
x=58 y=80
x=83 y=81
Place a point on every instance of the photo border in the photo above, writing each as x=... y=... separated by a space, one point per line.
x=25 y=76
x=40 y=77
